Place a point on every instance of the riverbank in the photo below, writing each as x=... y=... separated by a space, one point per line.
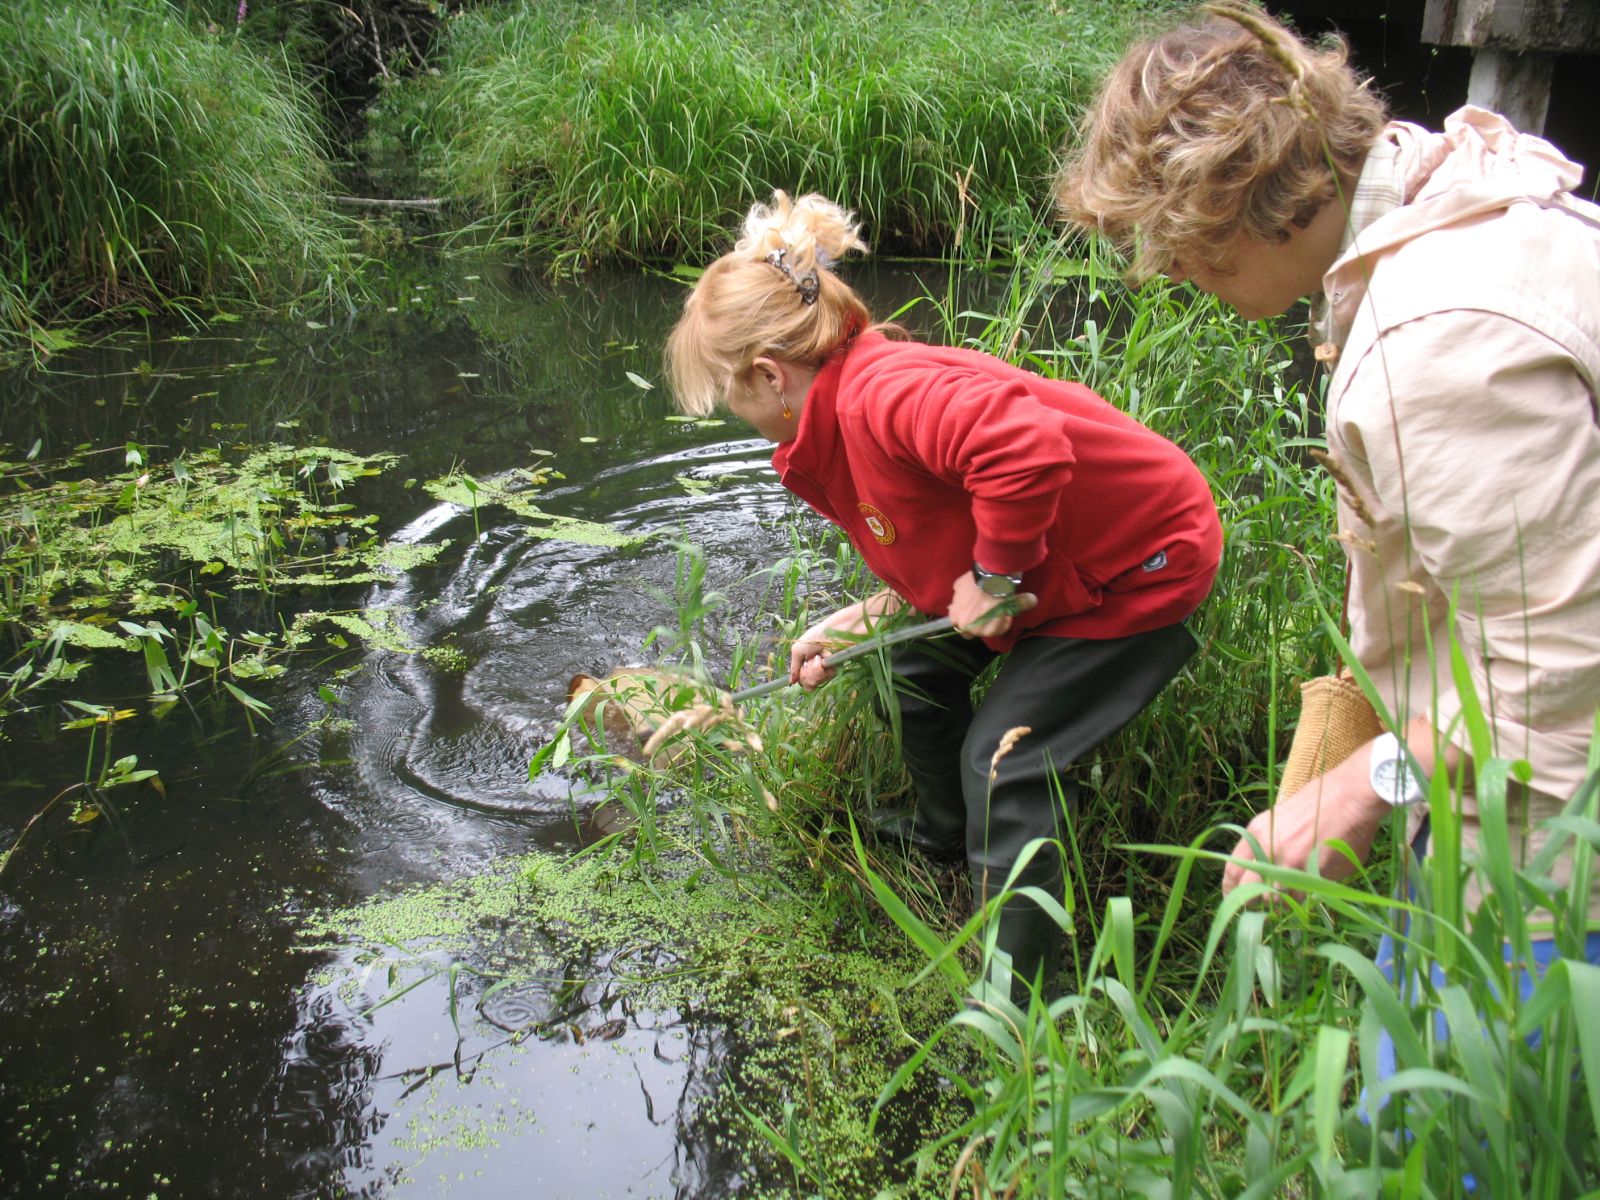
x=163 y=162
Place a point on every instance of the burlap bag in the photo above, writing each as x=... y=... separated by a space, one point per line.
x=1336 y=719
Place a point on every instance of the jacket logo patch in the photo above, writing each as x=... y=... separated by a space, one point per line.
x=880 y=526
x=1154 y=563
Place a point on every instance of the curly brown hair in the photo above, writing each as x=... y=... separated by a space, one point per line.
x=1228 y=124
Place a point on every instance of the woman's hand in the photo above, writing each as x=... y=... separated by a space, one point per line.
x=979 y=615
x=1339 y=806
x=806 y=653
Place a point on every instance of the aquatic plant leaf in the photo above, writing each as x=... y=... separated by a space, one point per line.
x=259 y=707
x=84 y=636
x=587 y=533
x=639 y=381
x=99 y=715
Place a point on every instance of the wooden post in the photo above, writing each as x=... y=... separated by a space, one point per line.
x=1517 y=86
x=1514 y=43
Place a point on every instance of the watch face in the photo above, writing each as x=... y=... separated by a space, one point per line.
x=1393 y=781
x=998 y=586
x=1387 y=781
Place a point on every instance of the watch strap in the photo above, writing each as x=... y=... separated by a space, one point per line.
x=980 y=574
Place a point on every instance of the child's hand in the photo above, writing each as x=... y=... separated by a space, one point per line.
x=807 y=650
x=979 y=615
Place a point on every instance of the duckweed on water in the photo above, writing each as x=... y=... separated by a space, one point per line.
x=811 y=1028
x=135 y=559
x=511 y=493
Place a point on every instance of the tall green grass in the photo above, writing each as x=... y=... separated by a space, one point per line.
x=1264 y=1075
x=145 y=163
x=643 y=130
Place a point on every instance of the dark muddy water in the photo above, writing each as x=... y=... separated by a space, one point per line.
x=164 y=1029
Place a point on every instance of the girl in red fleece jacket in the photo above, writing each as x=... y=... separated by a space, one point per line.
x=1049 y=525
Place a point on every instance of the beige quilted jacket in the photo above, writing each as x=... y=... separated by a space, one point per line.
x=1464 y=325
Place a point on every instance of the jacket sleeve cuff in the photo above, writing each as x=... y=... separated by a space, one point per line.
x=1008 y=557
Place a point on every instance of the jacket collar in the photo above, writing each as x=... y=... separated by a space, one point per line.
x=1479 y=164
x=816 y=441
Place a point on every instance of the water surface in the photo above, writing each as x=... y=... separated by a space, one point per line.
x=167 y=1032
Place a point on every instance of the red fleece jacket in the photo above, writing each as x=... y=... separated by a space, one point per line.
x=930 y=458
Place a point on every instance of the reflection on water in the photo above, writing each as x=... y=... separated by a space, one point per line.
x=546 y=1090
x=166 y=1033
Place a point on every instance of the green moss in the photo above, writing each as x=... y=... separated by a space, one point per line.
x=585 y=533
x=84 y=636
x=407 y=556
x=449 y=658
x=376 y=627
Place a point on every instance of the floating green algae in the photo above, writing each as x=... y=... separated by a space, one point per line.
x=813 y=1019
x=511 y=492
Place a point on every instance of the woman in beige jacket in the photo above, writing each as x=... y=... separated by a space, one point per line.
x=1456 y=284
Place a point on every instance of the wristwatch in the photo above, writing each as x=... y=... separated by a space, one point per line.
x=1389 y=770
x=996 y=584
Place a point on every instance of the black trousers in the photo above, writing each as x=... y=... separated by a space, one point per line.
x=1071 y=694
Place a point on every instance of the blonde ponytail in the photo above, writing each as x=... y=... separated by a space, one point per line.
x=773 y=294
x=813 y=232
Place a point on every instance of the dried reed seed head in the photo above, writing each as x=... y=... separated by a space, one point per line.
x=1355 y=541
x=1008 y=742
x=1347 y=487
x=1276 y=41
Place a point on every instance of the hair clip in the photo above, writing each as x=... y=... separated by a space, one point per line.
x=806 y=284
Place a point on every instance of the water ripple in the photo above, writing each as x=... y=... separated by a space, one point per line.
x=509 y=619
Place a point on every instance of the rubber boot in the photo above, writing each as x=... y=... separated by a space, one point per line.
x=934 y=696
x=1027 y=933
x=903 y=829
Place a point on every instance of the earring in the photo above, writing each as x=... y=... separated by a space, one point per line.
x=786 y=413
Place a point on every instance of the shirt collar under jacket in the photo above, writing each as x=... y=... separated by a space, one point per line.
x=1380 y=190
